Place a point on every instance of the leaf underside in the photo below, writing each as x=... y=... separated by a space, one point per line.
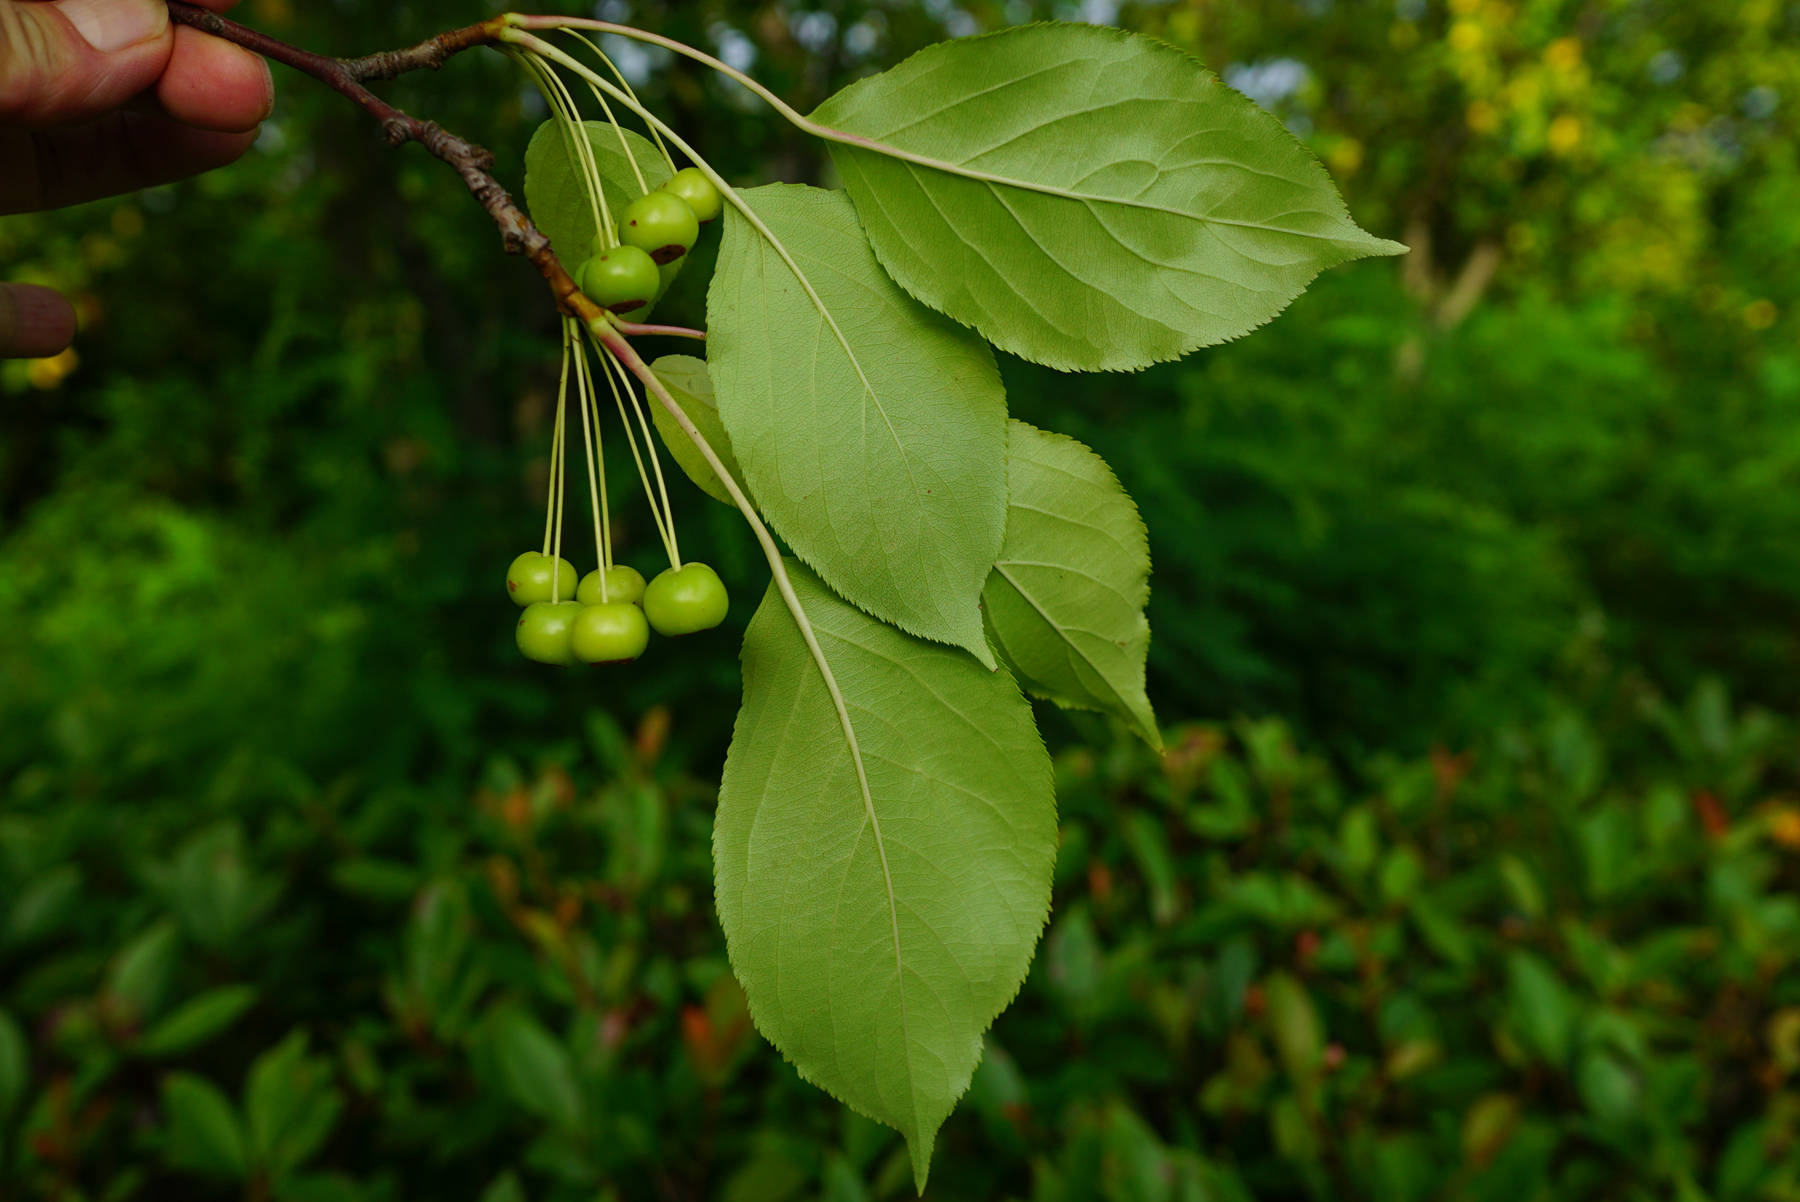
x=556 y=198
x=879 y=930
x=1101 y=201
x=689 y=384
x=869 y=428
x=1065 y=604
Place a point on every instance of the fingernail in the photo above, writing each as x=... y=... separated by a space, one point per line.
x=109 y=25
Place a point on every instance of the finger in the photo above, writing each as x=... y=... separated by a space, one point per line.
x=69 y=60
x=34 y=322
x=120 y=153
x=214 y=85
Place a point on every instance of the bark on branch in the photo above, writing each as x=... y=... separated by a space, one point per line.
x=473 y=163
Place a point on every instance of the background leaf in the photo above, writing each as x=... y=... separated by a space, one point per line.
x=877 y=933
x=554 y=193
x=869 y=438
x=14 y=1063
x=290 y=1105
x=688 y=382
x=196 y=1021
x=139 y=974
x=204 y=1132
x=1126 y=207
x=1065 y=603
x=535 y=1068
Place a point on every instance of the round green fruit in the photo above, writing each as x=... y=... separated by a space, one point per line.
x=621 y=279
x=545 y=631
x=533 y=577
x=623 y=583
x=685 y=600
x=691 y=184
x=613 y=633
x=661 y=224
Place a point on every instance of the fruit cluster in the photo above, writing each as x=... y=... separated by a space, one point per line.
x=612 y=612
x=632 y=265
x=607 y=618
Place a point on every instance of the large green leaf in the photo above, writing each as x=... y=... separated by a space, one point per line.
x=1085 y=197
x=883 y=869
x=1065 y=603
x=554 y=194
x=869 y=428
x=689 y=384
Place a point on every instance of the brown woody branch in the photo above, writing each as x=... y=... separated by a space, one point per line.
x=472 y=162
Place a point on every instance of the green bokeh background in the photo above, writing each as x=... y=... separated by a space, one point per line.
x=1471 y=871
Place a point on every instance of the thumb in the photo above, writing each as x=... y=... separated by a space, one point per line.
x=34 y=322
x=68 y=60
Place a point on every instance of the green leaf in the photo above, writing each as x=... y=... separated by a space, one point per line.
x=883 y=869
x=1149 y=841
x=204 y=1132
x=42 y=905
x=139 y=974
x=214 y=887
x=1298 y=1032
x=869 y=428
x=687 y=380
x=556 y=198
x=196 y=1021
x=15 y=1065
x=1609 y=1087
x=438 y=980
x=1540 y=1008
x=535 y=1068
x=291 y=1104
x=1086 y=198
x=1065 y=602
x=504 y=1188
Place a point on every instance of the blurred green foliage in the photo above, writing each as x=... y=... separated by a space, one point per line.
x=1534 y=971
x=310 y=890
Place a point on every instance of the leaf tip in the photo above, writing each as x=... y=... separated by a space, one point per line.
x=918 y=1147
x=984 y=655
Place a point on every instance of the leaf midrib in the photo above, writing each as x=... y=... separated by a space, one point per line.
x=857 y=142
x=1061 y=637
x=874 y=823
x=843 y=342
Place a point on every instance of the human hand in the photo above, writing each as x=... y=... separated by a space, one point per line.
x=99 y=97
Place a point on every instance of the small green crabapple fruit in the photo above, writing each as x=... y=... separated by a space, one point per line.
x=621 y=279
x=691 y=184
x=531 y=578
x=613 y=633
x=624 y=583
x=685 y=600
x=545 y=630
x=660 y=223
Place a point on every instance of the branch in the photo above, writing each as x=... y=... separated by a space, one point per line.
x=474 y=163
x=634 y=329
x=427 y=55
